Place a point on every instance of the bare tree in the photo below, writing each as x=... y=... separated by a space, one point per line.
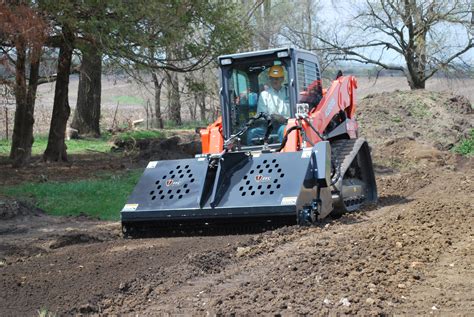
x=428 y=36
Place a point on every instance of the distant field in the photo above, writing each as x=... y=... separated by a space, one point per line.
x=462 y=87
x=132 y=98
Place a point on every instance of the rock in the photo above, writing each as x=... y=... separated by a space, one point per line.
x=370 y=301
x=327 y=301
x=345 y=302
x=123 y=286
x=434 y=308
x=241 y=251
x=401 y=285
x=399 y=245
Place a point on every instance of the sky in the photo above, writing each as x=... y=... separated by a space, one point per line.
x=337 y=13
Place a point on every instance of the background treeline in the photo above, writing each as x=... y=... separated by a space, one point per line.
x=171 y=46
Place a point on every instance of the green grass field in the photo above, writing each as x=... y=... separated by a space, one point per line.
x=73 y=146
x=102 y=198
x=102 y=144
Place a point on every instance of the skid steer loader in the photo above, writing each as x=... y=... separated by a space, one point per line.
x=259 y=166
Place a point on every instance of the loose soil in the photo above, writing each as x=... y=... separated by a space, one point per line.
x=411 y=254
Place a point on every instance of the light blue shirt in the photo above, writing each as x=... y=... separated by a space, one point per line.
x=272 y=101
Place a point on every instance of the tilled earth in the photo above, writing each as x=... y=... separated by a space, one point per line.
x=411 y=254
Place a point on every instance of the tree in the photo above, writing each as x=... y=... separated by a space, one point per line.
x=158 y=80
x=428 y=36
x=56 y=148
x=24 y=31
x=174 y=104
x=87 y=114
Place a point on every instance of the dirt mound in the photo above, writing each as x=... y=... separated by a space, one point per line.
x=11 y=249
x=169 y=149
x=10 y=209
x=211 y=262
x=163 y=149
x=80 y=238
x=433 y=118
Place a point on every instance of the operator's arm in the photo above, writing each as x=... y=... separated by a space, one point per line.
x=262 y=105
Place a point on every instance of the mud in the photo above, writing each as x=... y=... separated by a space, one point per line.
x=411 y=254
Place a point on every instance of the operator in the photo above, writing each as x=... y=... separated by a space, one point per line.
x=273 y=101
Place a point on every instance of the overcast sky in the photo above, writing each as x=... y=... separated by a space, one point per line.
x=337 y=13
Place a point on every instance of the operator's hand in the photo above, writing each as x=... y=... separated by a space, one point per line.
x=278 y=118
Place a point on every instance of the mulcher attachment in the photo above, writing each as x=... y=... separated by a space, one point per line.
x=246 y=188
x=234 y=187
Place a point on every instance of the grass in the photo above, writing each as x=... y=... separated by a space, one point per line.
x=103 y=197
x=43 y=312
x=420 y=109
x=466 y=146
x=129 y=100
x=80 y=146
x=139 y=135
x=73 y=146
x=396 y=119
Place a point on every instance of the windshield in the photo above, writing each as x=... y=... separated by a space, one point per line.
x=254 y=88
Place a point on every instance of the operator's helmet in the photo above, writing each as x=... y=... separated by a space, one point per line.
x=276 y=71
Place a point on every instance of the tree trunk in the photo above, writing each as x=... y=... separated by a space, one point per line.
x=56 y=148
x=174 y=103
x=22 y=139
x=202 y=106
x=158 y=85
x=87 y=115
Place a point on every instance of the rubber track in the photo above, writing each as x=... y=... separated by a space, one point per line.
x=343 y=153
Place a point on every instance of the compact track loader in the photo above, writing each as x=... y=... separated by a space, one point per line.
x=260 y=167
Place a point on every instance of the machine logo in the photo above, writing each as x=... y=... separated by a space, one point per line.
x=171 y=182
x=263 y=179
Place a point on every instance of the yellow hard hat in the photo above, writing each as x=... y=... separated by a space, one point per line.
x=276 y=71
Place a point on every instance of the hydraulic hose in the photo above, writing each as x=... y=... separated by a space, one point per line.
x=285 y=138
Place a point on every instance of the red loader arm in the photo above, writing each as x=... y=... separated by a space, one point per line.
x=340 y=97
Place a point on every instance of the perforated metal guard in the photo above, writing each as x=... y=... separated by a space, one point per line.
x=170 y=185
x=265 y=181
x=263 y=185
x=258 y=184
x=174 y=184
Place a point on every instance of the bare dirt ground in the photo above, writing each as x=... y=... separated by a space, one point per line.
x=411 y=254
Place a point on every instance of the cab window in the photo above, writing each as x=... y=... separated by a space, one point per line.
x=309 y=83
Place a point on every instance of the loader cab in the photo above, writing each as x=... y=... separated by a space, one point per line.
x=245 y=76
